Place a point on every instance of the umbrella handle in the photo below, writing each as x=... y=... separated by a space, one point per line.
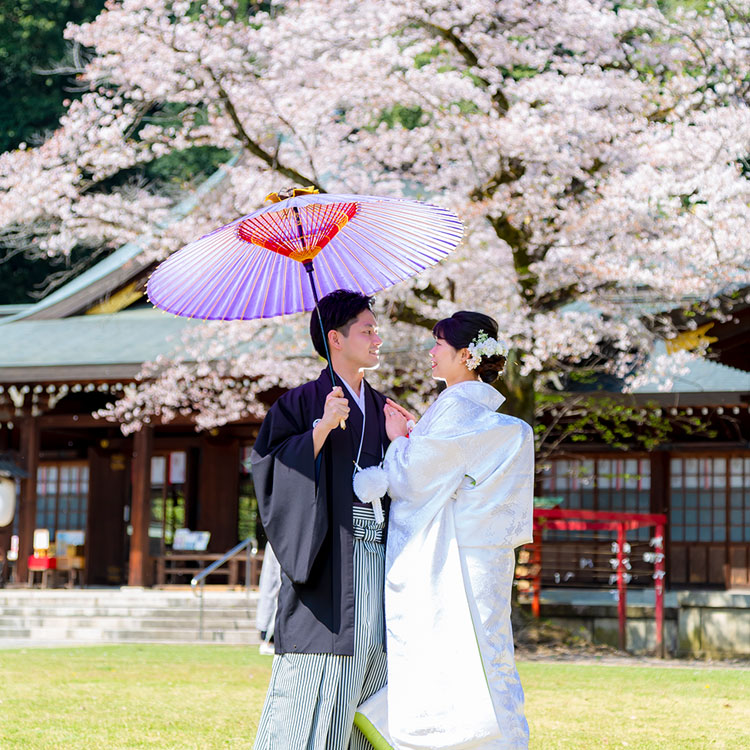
x=308 y=264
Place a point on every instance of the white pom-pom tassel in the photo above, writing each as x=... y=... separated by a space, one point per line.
x=369 y=486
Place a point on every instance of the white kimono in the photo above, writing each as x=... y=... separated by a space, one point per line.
x=462 y=491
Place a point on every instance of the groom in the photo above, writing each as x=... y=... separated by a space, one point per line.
x=329 y=634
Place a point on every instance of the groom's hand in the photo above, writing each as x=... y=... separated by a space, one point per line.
x=335 y=414
x=336 y=410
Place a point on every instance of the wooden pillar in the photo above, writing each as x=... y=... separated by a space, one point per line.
x=5 y=534
x=140 y=569
x=660 y=496
x=29 y=458
x=192 y=492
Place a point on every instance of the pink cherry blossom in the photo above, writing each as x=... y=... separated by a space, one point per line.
x=597 y=154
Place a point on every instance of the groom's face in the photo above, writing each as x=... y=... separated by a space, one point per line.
x=360 y=345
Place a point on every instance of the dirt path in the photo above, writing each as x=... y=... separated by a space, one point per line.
x=588 y=653
x=544 y=641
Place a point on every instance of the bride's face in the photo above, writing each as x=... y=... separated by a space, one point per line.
x=447 y=362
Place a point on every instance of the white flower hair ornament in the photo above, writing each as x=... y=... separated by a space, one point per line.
x=484 y=346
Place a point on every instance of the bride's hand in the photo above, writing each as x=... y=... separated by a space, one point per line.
x=395 y=422
x=407 y=415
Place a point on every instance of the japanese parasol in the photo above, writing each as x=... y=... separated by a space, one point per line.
x=255 y=267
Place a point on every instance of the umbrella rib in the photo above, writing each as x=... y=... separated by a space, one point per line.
x=268 y=279
x=221 y=286
x=408 y=231
x=333 y=250
x=312 y=221
x=353 y=233
x=414 y=252
x=253 y=261
x=278 y=230
x=283 y=291
x=406 y=219
x=404 y=225
x=320 y=287
x=319 y=218
x=278 y=261
x=388 y=271
x=300 y=276
x=173 y=297
x=257 y=263
x=221 y=279
x=266 y=259
x=229 y=260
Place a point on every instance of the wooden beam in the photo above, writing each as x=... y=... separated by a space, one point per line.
x=52 y=421
x=140 y=569
x=29 y=457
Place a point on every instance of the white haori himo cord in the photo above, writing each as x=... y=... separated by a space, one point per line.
x=369 y=486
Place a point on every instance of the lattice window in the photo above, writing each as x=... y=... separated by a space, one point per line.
x=62 y=496
x=615 y=484
x=739 y=499
x=710 y=498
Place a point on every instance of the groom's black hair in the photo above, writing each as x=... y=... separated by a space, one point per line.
x=338 y=311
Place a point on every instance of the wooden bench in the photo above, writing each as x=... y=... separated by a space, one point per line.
x=176 y=564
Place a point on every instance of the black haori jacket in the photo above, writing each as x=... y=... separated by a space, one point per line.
x=309 y=522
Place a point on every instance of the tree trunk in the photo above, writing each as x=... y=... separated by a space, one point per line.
x=518 y=390
x=520 y=402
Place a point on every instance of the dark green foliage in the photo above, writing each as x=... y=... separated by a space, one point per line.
x=407 y=117
x=22 y=279
x=31 y=38
x=182 y=167
x=566 y=418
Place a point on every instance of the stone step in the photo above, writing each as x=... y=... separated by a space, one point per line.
x=55 y=621
x=120 y=601
x=40 y=636
x=128 y=615
x=12 y=633
x=165 y=613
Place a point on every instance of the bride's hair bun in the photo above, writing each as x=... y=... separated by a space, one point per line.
x=490 y=368
x=461 y=329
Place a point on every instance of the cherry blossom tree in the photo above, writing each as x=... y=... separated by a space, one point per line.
x=596 y=151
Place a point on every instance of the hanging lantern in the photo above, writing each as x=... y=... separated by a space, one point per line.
x=7 y=500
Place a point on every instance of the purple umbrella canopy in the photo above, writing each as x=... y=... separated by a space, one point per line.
x=256 y=266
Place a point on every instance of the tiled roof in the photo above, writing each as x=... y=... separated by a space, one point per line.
x=130 y=336
x=97 y=347
x=703 y=376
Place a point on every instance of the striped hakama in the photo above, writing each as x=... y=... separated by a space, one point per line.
x=312 y=698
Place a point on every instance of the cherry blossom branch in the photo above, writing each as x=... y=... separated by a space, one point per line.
x=498 y=97
x=255 y=149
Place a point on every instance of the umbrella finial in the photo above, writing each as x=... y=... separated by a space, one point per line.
x=290 y=192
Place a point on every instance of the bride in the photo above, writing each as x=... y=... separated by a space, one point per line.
x=461 y=484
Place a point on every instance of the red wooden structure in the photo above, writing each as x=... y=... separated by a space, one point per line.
x=588 y=520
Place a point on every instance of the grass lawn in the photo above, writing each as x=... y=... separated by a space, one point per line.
x=205 y=697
